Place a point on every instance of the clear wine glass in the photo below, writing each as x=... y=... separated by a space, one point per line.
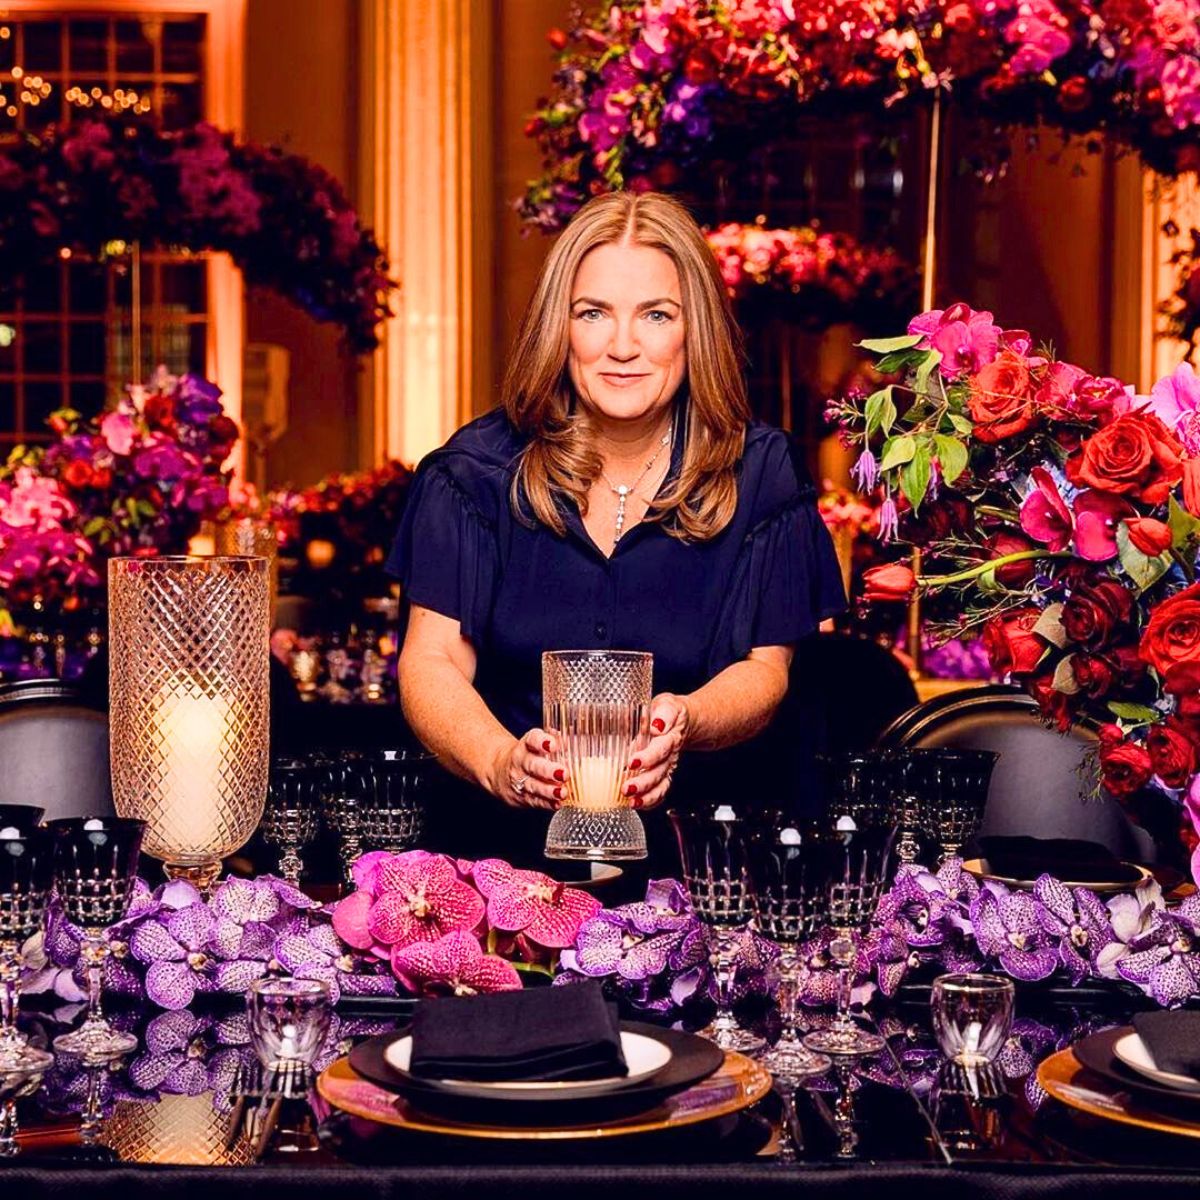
x=718 y=880
x=392 y=806
x=342 y=792
x=26 y=883
x=95 y=867
x=291 y=812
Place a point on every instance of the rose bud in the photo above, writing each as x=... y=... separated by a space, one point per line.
x=1012 y=575
x=1151 y=537
x=892 y=582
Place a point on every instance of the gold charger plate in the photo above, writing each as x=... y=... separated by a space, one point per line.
x=1065 y=1078
x=976 y=867
x=738 y=1083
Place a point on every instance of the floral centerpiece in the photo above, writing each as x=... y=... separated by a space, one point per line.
x=138 y=479
x=1064 y=511
x=645 y=87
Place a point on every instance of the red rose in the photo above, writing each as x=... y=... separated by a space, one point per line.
x=1094 y=675
x=1056 y=392
x=1125 y=767
x=1001 y=404
x=700 y=66
x=1011 y=644
x=557 y=38
x=77 y=474
x=1149 y=536
x=1110 y=735
x=1171 y=638
x=1013 y=575
x=960 y=18
x=1055 y=705
x=1097 y=397
x=1075 y=94
x=892 y=582
x=1137 y=455
x=1093 y=612
x=101 y=478
x=1191 y=486
x=1172 y=752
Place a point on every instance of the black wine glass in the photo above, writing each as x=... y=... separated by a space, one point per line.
x=951 y=787
x=26 y=883
x=391 y=811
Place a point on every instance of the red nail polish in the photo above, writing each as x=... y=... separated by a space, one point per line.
x=637 y=762
x=631 y=790
x=546 y=745
x=637 y=803
x=558 y=793
x=560 y=775
x=659 y=724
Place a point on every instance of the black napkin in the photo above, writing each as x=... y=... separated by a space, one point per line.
x=1065 y=858
x=1173 y=1039
x=568 y=1032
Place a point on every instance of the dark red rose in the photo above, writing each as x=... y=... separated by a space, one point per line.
x=1094 y=612
x=1172 y=636
x=1001 y=403
x=949 y=514
x=1137 y=455
x=1110 y=735
x=891 y=582
x=700 y=66
x=1125 y=767
x=1151 y=537
x=1094 y=674
x=1013 y=575
x=101 y=478
x=1075 y=94
x=1172 y=752
x=223 y=429
x=1056 y=706
x=77 y=474
x=1011 y=644
x=1097 y=396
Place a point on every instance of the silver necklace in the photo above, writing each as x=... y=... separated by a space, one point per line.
x=624 y=491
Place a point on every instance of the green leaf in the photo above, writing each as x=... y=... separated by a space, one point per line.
x=914 y=476
x=1185 y=529
x=962 y=424
x=874 y=410
x=93 y=527
x=897 y=451
x=1143 y=569
x=1064 y=677
x=1049 y=625
x=1138 y=713
x=887 y=345
x=952 y=456
x=926 y=369
x=887 y=416
x=899 y=360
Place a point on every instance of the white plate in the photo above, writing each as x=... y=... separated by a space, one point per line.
x=643 y=1055
x=1131 y=1050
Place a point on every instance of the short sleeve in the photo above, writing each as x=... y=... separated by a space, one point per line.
x=445 y=553
x=785 y=582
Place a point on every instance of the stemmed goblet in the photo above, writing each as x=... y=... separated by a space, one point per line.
x=391 y=813
x=952 y=791
x=341 y=803
x=718 y=881
x=95 y=866
x=26 y=880
x=290 y=816
x=788 y=866
x=859 y=860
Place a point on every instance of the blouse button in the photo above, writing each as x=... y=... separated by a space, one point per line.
x=601 y=629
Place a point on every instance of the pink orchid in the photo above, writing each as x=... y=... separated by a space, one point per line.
x=1097 y=515
x=1044 y=513
x=1175 y=399
x=967 y=340
x=454 y=965
x=1191 y=806
x=420 y=899
x=118 y=431
x=546 y=911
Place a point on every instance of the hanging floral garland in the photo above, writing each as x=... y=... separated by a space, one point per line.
x=646 y=86
x=285 y=222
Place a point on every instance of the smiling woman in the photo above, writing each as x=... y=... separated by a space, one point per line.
x=621 y=498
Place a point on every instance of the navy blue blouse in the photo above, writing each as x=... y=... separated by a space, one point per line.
x=769 y=578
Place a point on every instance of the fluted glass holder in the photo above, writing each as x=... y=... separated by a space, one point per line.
x=189 y=704
x=597 y=702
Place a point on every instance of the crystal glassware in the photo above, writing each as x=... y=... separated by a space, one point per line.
x=342 y=788
x=788 y=866
x=26 y=882
x=716 y=873
x=305 y=666
x=597 y=702
x=863 y=786
x=859 y=860
x=95 y=866
x=291 y=813
x=289 y=1020
x=972 y=1016
x=18 y=1080
x=952 y=790
x=391 y=812
x=20 y=817
x=190 y=704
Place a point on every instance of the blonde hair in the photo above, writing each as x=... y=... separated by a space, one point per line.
x=559 y=462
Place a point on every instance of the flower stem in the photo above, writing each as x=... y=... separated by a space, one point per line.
x=969 y=573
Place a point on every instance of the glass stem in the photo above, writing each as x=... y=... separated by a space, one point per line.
x=10 y=974
x=789 y=994
x=8 y=1129
x=94 y=951
x=724 y=966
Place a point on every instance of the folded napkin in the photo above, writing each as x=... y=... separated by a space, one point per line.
x=1065 y=858
x=1173 y=1039
x=546 y=1033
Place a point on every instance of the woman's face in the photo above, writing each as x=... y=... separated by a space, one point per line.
x=627 y=356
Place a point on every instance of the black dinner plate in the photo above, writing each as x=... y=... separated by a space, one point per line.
x=692 y=1059
x=1096 y=1053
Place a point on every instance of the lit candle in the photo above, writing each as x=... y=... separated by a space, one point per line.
x=320 y=553
x=596 y=782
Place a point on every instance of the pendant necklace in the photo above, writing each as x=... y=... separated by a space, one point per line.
x=624 y=491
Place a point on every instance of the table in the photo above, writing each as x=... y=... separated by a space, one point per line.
x=907 y=1140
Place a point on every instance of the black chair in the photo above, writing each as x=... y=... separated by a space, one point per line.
x=53 y=749
x=1042 y=785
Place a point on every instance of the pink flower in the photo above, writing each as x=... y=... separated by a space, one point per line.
x=117 y=431
x=1044 y=513
x=1097 y=515
x=420 y=899
x=546 y=911
x=1180 y=81
x=453 y=965
x=968 y=340
x=1175 y=399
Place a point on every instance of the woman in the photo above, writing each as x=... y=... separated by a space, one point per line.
x=620 y=498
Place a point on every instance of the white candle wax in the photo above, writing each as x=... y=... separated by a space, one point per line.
x=596 y=782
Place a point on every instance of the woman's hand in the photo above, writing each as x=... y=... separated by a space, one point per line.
x=651 y=769
x=525 y=774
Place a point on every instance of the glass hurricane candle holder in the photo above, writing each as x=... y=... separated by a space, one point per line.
x=597 y=702
x=190 y=704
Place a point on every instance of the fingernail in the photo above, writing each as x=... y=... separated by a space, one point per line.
x=558 y=793
x=560 y=775
x=637 y=762
x=546 y=745
x=659 y=724
x=631 y=790
x=637 y=803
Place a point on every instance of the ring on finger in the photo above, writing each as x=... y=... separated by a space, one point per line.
x=518 y=785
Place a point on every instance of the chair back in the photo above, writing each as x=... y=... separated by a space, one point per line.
x=53 y=750
x=1042 y=784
